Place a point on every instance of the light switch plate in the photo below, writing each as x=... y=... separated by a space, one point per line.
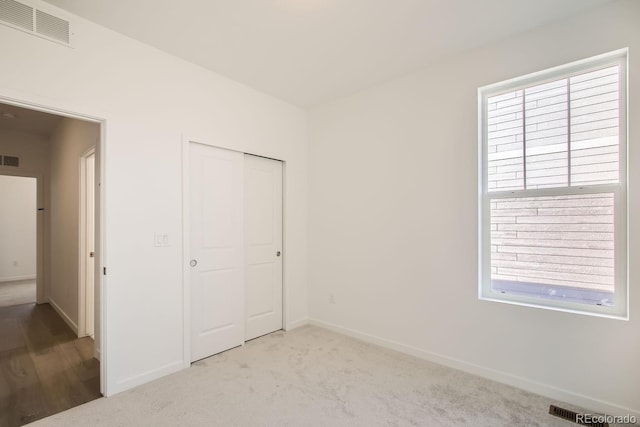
x=161 y=239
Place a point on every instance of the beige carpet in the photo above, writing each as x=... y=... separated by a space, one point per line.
x=314 y=377
x=16 y=293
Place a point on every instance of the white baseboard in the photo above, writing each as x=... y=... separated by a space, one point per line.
x=532 y=386
x=64 y=316
x=145 y=377
x=296 y=324
x=17 y=278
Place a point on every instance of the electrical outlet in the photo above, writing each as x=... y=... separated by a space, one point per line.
x=160 y=239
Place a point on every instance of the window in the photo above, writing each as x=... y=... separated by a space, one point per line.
x=553 y=177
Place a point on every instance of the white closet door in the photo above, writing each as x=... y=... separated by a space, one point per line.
x=263 y=236
x=217 y=250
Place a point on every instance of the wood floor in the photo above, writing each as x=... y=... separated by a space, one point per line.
x=44 y=367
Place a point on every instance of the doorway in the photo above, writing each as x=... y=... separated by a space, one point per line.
x=18 y=240
x=53 y=148
x=234 y=280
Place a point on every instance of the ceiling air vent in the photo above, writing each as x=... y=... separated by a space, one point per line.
x=11 y=161
x=52 y=26
x=34 y=21
x=18 y=14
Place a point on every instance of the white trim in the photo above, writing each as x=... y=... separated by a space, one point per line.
x=186 y=245
x=17 y=278
x=285 y=296
x=565 y=70
x=100 y=345
x=82 y=265
x=620 y=310
x=64 y=315
x=36 y=106
x=146 y=377
x=526 y=384
x=82 y=245
x=296 y=324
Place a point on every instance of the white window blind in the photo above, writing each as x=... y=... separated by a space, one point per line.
x=555 y=134
x=553 y=199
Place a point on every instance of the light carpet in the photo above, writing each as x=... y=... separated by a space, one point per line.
x=314 y=377
x=18 y=292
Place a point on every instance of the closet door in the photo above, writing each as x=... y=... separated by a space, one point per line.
x=263 y=249
x=217 y=250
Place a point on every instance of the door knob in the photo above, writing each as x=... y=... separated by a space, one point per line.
x=193 y=262
x=92 y=254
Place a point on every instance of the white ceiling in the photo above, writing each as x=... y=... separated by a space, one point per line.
x=311 y=51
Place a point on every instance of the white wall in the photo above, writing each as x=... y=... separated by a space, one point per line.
x=70 y=140
x=149 y=101
x=17 y=228
x=33 y=150
x=393 y=223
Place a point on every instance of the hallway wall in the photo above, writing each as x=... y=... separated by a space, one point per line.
x=71 y=139
x=33 y=150
x=17 y=228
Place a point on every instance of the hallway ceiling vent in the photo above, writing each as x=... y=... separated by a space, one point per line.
x=17 y=14
x=11 y=161
x=34 y=21
x=52 y=26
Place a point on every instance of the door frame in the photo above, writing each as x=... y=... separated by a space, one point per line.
x=82 y=245
x=186 y=240
x=101 y=234
x=42 y=279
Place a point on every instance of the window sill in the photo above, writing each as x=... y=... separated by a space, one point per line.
x=554 y=305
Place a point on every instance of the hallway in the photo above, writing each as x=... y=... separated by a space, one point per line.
x=17 y=292
x=44 y=367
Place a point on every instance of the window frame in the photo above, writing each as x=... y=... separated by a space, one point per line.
x=620 y=308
